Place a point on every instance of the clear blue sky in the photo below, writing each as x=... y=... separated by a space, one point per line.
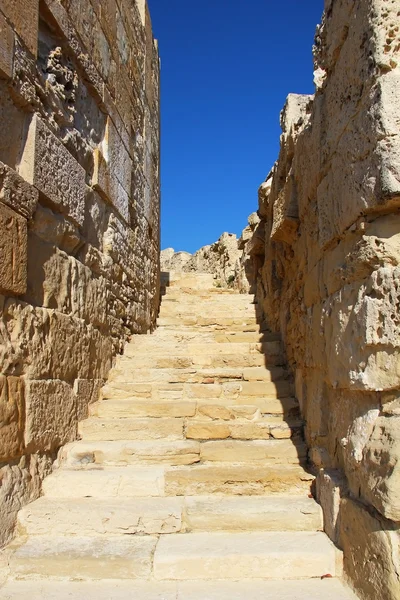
x=227 y=67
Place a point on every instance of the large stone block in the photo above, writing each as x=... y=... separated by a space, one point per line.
x=17 y=193
x=113 y=170
x=50 y=415
x=380 y=483
x=371 y=552
x=47 y=164
x=13 y=251
x=24 y=15
x=331 y=487
x=6 y=48
x=12 y=417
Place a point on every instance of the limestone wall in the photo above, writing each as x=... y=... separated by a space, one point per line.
x=330 y=279
x=79 y=218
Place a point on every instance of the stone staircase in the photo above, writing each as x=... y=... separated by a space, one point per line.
x=188 y=482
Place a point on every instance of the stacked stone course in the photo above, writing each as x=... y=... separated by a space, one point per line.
x=79 y=218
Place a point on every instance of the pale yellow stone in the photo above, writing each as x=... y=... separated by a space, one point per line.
x=225 y=478
x=252 y=513
x=244 y=555
x=130 y=452
x=131 y=429
x=101 y=516
x=282 y=451
x=121 y=557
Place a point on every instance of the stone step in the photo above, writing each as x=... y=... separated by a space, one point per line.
x=213 y=408
x=238 y=479
x=192 y=349
x=180 y=391
x=197 y=321
x=155 y=361
x=91 y=557
x=290 y=589
x=265 y=451
x=195 y=375
x=132 y=429
x=151 y=516
x=102 y=482
x=265 y=555
x=259 y=429
x=147 y=428
x=180 y=452
x=99 y=481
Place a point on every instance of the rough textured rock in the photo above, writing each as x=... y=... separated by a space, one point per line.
x=79 y=218
x=220 y=259
x=328 y=278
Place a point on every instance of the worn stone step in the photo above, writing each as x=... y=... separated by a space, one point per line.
x=293 y=589
x=171 y=347
x=266 y=555
x=212 y=408
x=198 y=321
x=242 y=479
x=259 y=429
x=201 y=361
x=252 y=513
x=114 y=557
x=102 y=516
x=250 y=337
x=151 y=516
x=195 y=374
x=270 y=451
x=102 y=482
x=115 y=429
x=180 y=452
x=229 y=389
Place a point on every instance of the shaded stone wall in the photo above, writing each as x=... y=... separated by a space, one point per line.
x=329 y=279
x=79 y=218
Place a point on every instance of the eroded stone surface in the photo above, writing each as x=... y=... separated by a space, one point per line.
x=79 y=263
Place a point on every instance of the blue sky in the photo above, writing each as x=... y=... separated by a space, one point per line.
x=227 y=67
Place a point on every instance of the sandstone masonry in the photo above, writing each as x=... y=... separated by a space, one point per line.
x=79 y=218
x=328 y=279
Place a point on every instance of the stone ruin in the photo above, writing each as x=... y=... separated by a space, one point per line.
x=79 y=219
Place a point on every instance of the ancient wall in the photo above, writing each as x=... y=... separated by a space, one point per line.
x=79 y=218
x=330 y=279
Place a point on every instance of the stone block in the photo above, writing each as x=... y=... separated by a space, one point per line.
x=381 y=467
x=87 y=391
x=13 y=252
x=50 y=415
x=6 y=48
x=17 y=193
x=24 y=15
x=12 y=415
x=371 y=552
x=331 y=487
x=47 y=164
x=112 y=175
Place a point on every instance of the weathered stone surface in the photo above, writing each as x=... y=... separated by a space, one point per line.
x=24 y=15
x=50 y=414
x=6 y=48
x=47 y=164
x=331 y=488
x=76 y=85
x=219 y=259
x=371 y=552
x=12 y=417
x=13 y=251
x=17 y=193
